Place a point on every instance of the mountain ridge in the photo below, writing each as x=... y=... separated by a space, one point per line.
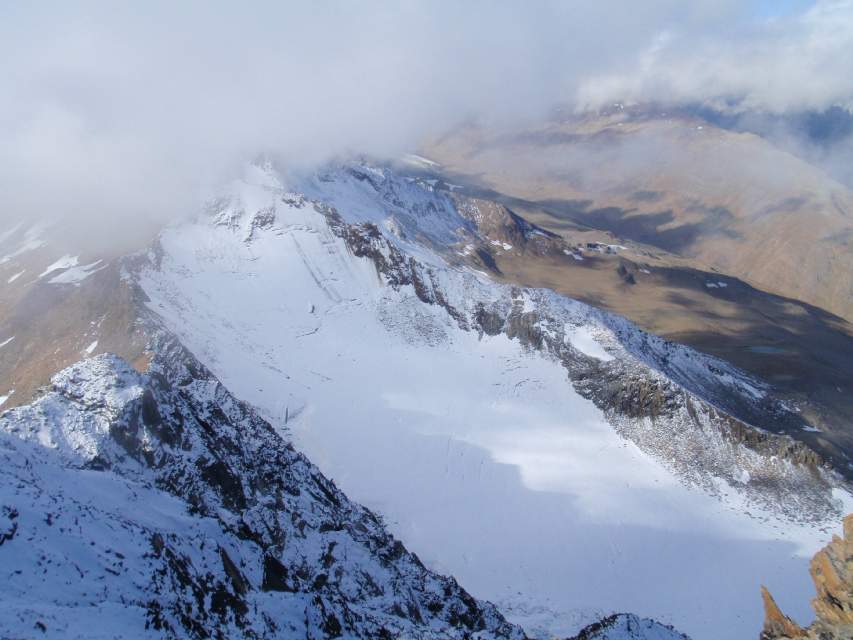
x=307 y=272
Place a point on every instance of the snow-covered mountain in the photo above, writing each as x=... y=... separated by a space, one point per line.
x=563 y=441
x=622 y=626
x=161 y=503
x=553 y=458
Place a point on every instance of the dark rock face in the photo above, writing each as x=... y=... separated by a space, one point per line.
x=489 y=322
x=366 y=241
x=9 y=524
x=626 y=274
x=304 y=540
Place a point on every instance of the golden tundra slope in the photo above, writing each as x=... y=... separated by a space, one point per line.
x=726 y=200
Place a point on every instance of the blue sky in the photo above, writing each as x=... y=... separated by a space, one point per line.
x=777 y=8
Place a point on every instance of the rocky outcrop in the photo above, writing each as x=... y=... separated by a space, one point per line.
x=832 y=574
x=366 y=241
x=497 y=225
x=626 y=626
x=776 y=623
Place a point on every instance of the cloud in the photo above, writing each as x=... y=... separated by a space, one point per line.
x=802 y=61
x=120 y=113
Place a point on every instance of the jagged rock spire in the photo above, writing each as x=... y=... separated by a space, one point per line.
x=776 y=623
x=832 y=573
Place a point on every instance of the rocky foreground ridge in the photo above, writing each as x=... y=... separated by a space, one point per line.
x=162 y=506
x=166 y=507
x=832 y=573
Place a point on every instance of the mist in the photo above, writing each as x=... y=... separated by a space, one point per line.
x=119 y=117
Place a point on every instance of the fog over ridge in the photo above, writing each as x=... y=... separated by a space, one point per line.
x=122 y=112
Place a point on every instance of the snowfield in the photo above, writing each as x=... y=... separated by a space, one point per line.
x=158 y=505
x=476 y=450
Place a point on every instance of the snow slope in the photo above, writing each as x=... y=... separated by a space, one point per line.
x=475 y=448
x=158 y=505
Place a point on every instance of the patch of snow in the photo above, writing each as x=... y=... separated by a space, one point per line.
x=604 y=248
x=16 y=276
x=811 y=429
x=65 y=262
x=5 y=397
x=415 y=159
x=6 y=341
x=76 y=275
x=368 y=194
x=582 y=339
x=32 y=240
x=88 y=350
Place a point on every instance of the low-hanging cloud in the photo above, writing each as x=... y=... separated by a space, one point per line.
x=802 y=61
x=115 y=113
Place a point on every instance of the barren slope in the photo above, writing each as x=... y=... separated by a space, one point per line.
x=728 y=200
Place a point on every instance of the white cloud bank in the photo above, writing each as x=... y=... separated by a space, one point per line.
x=117 y=112
x=796 y=62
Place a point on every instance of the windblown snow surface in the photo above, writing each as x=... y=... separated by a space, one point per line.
x=478 y=453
